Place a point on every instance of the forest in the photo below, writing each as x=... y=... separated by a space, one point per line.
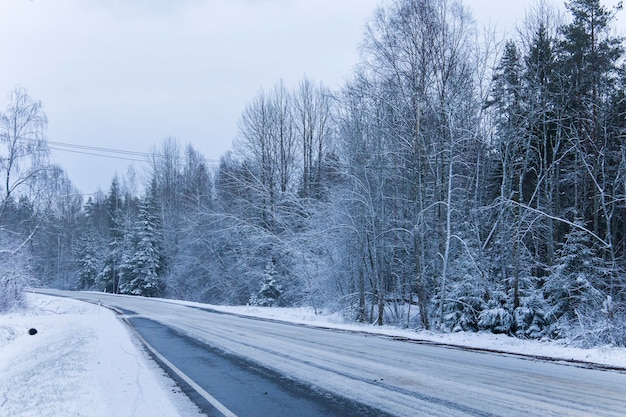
x=456 y=182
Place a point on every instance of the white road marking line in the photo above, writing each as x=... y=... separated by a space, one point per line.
x=211 y=399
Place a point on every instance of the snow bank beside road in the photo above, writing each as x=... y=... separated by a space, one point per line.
x=81 y=362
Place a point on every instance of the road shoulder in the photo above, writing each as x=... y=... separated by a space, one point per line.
x=82 y=361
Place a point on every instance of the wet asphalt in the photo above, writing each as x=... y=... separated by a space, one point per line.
x=242 y=386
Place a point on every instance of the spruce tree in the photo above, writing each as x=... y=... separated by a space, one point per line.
x=143 y=261
x=88 y=262
x=109 y=276
x=573 y=287
x=270 y=291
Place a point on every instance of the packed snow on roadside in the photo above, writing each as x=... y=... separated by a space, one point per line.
x=558 y=350
x=83 y=361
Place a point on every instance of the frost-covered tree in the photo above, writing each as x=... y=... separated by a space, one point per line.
x=24 y=192
x=574 y=286
x=143 y=261
x=88 y=263
x=271 y=290
x=23 y=147
x=109 y=277
x=441 y=188
x=15 y=276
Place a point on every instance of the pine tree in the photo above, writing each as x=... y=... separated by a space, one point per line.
x=545 y=140
x=590 y=55
x=517 y=175
x=588 y=66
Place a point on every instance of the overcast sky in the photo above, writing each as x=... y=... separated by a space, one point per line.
x=125 y=74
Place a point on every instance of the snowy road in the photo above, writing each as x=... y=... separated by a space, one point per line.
x=404 y=379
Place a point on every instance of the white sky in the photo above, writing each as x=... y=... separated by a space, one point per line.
x=125 y=74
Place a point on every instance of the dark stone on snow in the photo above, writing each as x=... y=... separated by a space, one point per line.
x=32 y=332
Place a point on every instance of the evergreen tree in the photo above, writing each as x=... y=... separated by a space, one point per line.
x=142 y=263
x=109 y=277
x=88 y=251
x=270 y=291
x=588 y=58
x=573 y=287
x=88 y=263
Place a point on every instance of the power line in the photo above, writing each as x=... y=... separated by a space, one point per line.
x=112 y=153
x=97 y=149
x=97 y=154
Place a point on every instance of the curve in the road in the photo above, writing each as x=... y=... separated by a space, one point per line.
x=238 y=387
x=403 y=379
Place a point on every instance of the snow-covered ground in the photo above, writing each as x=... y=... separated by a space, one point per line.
x=83 y=361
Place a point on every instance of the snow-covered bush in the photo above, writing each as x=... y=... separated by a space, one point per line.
x=497 y=319
x=10 y=292
x=14 y=279
x=593 y=326
x=462 y=310
x=526 y=321
x=529 y=320
x=270 y=290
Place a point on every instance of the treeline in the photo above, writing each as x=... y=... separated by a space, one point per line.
x=452 y=184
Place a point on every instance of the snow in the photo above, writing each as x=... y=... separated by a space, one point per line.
x=558 y=350
x=83 y=361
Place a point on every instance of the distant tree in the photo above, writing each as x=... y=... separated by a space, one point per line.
x=544 y=137
x=514 y=156
x=143 y=260
x=197 y=181
x=88 y=262
x=109 y=277
x=52 y=250
x=266 y=143
x=313 y=121
x=188 y=247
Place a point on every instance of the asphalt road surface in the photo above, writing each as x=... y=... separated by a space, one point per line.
x=259 y=367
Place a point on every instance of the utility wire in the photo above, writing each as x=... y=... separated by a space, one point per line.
x=97 y=154
x=97 y=149
x=112 y=153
